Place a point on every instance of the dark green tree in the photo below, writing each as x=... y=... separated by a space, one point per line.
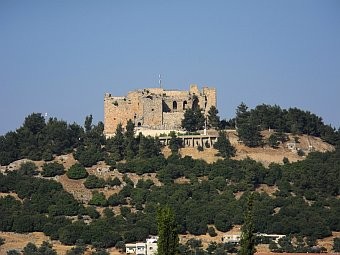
x=273 y=141
x=93 y=182
x=28 y=168
x=88 y=123
x=247 y=241
x=193 y=120
x=336 y=244
x=223 y=145
x=115 y=145
x=175 y=143
x=168 y=238
x=249 y=134
x=242 y=114
x=13 y=252
x=77 y=171
x=98 y=199
x=52 y=169
x=213 y=118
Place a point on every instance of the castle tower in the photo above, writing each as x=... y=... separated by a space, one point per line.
x=155 y=108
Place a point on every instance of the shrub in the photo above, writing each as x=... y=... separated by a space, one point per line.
x=211 y=232
x=52 y=169
x=28 y=168
x=93 y=182
x=77 y=171
x=113 y=182
x=98 y=199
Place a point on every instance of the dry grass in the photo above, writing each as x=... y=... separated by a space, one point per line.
x=19 y=241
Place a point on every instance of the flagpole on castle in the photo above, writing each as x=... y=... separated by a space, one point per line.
x=160 y=80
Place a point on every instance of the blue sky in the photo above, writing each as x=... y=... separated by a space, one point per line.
x=60 y=57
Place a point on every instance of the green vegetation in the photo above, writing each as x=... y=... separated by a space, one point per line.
x=293 y=120
x=247 y=241
x=193 y=119
x=44 y=249
x=213 y=118
x=336 y=244
x=93 y=182
x=213 y=194
x=52 y=169
x=168 y=238
x=77 y=171
x=223 y=145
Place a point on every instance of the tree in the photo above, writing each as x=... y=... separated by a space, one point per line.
x=213 y=118
x=88 y=123
x=115 y=145
x=336 y=244
x=247 y=241
x=223 y=145
x=28 y=169
x=193 y=120
x=175 y=143
x=93 y=182
x=168 y=238
x=249 y=134
x=77 y=171
x=273 y=140
x=13 y=252
x=242 y=114
x=98 y=199
x=52 y=169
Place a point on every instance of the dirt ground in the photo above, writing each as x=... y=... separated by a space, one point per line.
x=14 y=241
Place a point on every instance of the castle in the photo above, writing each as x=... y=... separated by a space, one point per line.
x=155 y=108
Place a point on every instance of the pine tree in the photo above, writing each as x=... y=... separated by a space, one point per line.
x=213 y=118
x=115 y=145
x=223 y=145
x=193 y=120
x=168 y=240
x=247 y=241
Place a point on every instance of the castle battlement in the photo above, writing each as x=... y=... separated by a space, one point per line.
x=155 y=108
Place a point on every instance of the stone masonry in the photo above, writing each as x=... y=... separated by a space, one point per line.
x=155 y=108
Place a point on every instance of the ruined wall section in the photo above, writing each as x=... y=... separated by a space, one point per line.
x=172 y=120
x=152 y=111
x=119 y=110
x=155 y=108
x=210 y=94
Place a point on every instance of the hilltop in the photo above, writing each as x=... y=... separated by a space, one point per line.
x=70 y=183
x=265 y=155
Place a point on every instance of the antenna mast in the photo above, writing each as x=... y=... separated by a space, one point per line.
x=160 y=80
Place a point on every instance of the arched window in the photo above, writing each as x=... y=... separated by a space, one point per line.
x=174 y=105
x=139 y=124
x=195 y=103
x=185 y=105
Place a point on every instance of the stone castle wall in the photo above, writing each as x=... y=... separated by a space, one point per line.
x=155 y=108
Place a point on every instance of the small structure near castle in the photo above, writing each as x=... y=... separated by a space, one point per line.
x=155 y=108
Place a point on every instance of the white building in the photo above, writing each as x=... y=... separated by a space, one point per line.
x=147 y=248
x=235 y=238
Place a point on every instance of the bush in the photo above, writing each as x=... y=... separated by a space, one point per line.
x=336 y=244
x=28 y=168
x=211 y=232
x=98 y=199
x=113 y=182
x=52 y=169
x=77 y=171
x=93 y=182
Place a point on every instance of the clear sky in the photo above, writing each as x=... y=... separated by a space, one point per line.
x=60 y=57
